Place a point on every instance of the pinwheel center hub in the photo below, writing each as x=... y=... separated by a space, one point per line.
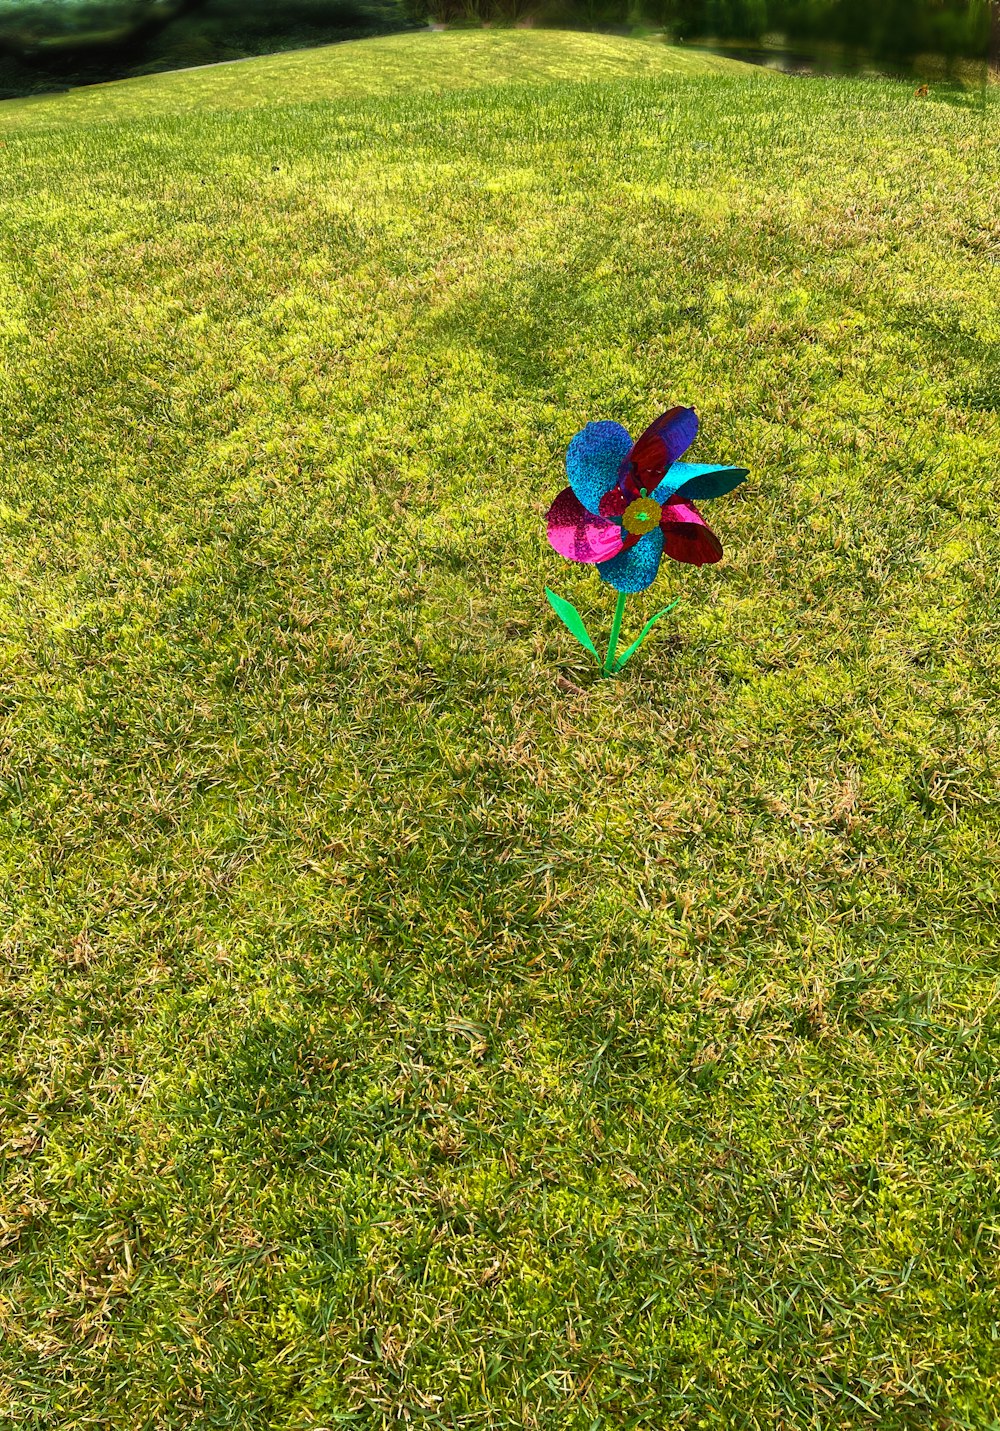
x=641 y=516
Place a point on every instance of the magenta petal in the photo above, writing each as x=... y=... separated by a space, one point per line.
x=579 y=536
x=677 y=510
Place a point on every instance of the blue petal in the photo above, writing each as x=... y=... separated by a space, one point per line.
x=593 y=459
x=635 y=569
x=698 y=479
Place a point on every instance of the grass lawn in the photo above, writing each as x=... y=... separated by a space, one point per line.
x=401 y=1026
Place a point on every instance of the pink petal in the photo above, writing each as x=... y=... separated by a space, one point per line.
x=577 y=535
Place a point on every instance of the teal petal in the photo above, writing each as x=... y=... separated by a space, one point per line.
x=691 y=480
x=593 y=459
x=633 y=570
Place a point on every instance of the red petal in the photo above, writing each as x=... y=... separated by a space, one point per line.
x=613 y=504
x=660 y=446
x=644 y=466
x=687 y=536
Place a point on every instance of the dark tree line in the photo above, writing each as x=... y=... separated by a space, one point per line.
x=882 y=27
x=49 y=43
x=905 y=27
x=52 y=44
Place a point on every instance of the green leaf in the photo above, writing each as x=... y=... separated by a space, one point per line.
x=572 y=620
x=642 y=635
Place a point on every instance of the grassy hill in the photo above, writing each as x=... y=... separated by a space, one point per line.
x=423 y=63
x=400 y=1025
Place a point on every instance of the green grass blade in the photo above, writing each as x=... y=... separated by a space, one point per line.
x=572 y=620
x=642 y=635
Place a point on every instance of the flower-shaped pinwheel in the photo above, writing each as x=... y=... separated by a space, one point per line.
x=628 y=503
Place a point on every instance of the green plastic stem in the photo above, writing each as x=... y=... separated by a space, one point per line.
x=616 y=626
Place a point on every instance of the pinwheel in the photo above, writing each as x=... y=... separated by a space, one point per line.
x=626 y=505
